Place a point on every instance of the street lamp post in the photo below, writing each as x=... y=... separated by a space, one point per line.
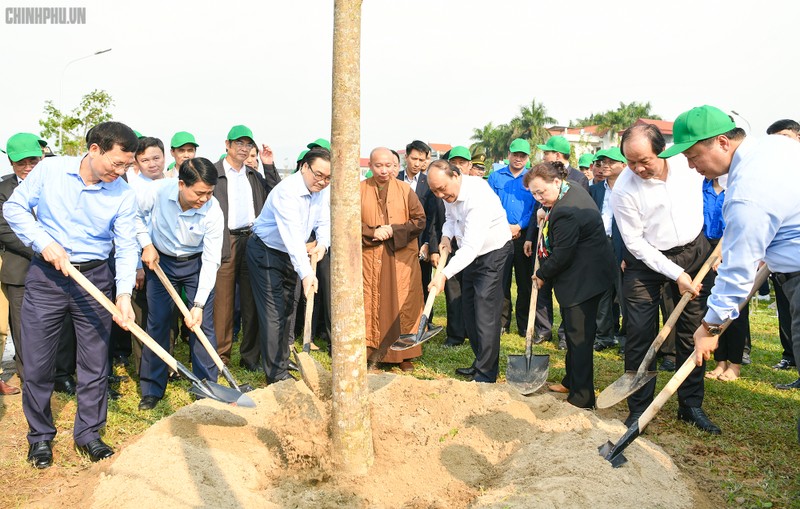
x=61 y=95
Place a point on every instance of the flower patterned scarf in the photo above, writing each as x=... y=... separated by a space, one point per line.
x=543 y=250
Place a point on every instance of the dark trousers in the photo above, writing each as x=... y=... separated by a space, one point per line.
x=544 y=314
x=426 y=270
x=322 y=301
x=580 y=327
x=608 y=314
x=183 y=275
x=791 y=289
x=643 y=288
x=230 y=272
x=274 y=283
x=522 y=267
x=456 y=323
x=784 y=320
x=49 y=297
x=669 y=296
x=482 y=284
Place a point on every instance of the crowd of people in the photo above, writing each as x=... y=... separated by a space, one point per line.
x=618 y=241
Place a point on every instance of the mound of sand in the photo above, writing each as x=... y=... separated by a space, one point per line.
x=438 y=444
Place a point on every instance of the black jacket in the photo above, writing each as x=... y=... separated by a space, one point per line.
x=16 y=256
x=433 y=215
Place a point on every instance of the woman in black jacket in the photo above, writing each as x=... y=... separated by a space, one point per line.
x=575 y=255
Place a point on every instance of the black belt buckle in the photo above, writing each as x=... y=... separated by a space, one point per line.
x=186 y=258
x=241 y=231
x=783 y=277
x=87 y=266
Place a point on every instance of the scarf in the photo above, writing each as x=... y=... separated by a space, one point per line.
x=543 y=250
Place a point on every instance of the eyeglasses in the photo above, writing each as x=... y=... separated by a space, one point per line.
x=24 y=163
x=605 y=164
x=246 y=144
x=319 y=177
x=118 y=166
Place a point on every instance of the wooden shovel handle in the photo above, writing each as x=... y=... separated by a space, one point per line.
x=432 y=295
x=104 y=301
x=309 y=306
x=534 y=291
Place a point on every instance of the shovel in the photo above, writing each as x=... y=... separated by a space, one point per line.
x=406 y=341
x=526 y=373
x=309 y=368
x=202 y=388
x=613 y=452
x=632 y=381
x=199 y=332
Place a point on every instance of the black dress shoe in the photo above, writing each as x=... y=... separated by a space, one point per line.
x=468 y=372
x=66 y=386
x=562 y=344
x=451 y=341
x=538 y=339
x=40 y=454
x=253 y=368
x=287 y=376
x=291 y=366
x=96 y=450
x=112 y=394
x=697 y=417
x=148 y=402
x=667 y=365
x=784 y=364
x=786 y=387
x=633 y=417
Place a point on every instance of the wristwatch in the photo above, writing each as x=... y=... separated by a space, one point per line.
x=714 y=329
x=198 y=305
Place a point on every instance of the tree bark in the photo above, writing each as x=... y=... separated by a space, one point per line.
x=352 y=432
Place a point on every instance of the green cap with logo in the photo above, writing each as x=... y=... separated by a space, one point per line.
x=611 y=153
x=22 y=145
x=695 y=125
x=181 y=138
x=585 y=160
x=459 y=151
x=556 y=144
x=520 y=145
x=319 y=142
x=240 y=131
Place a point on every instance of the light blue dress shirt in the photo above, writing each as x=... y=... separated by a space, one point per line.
x=86 y=220
x=175 y=232
x=290 y=214
x=762 y=220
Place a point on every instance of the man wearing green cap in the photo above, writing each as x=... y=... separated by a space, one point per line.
x=241 y=192
x=658 y=207
x=518 y=203
x=762 y=217
x=585 y=163
x=557 y=149
x=182 y=147
x=461 y=158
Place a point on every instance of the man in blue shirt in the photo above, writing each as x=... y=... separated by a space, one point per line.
x=762 y=217
x=179 y=226
x=277 y=254
x=518 y=204
x=83 y=211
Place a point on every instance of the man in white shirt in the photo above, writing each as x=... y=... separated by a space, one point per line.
x=658 y=207
x=476 y=219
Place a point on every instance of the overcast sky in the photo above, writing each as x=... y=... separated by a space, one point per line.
x=432 y=70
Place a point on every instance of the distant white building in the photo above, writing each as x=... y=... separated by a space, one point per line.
x=590 y=139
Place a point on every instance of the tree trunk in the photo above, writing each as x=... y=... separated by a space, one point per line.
x=352 y=432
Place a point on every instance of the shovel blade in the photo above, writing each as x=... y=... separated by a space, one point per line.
x=406 y=341
x=607 y=451
x=215 y=391
x=526 y=374
x=623 y=387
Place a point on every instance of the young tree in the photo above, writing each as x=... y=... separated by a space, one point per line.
x=618 y=119
x=69 y=130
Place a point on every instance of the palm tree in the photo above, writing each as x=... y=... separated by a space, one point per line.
x=530 y=123
x=483 y=139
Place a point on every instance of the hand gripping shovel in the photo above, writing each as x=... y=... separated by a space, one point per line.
x=309 y=368
x=203 y=388
x=406 y=341
x=526 y=373
x=632 y=381
x=613 y=452
x=201 y=336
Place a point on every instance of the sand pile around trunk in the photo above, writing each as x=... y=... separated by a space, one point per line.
x=438 y=444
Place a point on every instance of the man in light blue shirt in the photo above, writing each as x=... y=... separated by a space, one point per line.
x=179 y=226
x=83 y=210
x=761 y=213
x=277 y=253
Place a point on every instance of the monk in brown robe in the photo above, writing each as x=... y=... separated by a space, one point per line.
x=392 y=219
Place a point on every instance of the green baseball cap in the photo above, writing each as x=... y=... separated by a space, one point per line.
x=460 y=151
x=611 y=153
x=696 y=125
x=181 y=138
x=240 y=131
x=556 y=144
x=302 y=155
x=171 y=165
x=22 y=145
x=138 y=134
x=585 y=160
x=520 y=145
x=319 y=142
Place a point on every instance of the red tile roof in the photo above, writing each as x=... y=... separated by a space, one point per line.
x=589 y=129
x=664 y=126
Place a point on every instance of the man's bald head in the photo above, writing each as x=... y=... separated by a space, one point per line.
x=382 y=162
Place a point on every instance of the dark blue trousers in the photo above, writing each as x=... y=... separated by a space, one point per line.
x=49 y=297
x=185 y=274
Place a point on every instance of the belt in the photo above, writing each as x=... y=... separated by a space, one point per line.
x=679 y=249
x=782 y=277
x=241 y=231
x=180 y=258
x=80 y=266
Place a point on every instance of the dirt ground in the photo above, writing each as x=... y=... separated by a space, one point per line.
x=438 y=444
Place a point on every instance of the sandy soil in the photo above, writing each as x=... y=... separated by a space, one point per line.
x=438 y=444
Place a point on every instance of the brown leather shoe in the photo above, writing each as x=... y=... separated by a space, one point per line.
x=558 y=388
x=7 y=390
x=407 y=367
